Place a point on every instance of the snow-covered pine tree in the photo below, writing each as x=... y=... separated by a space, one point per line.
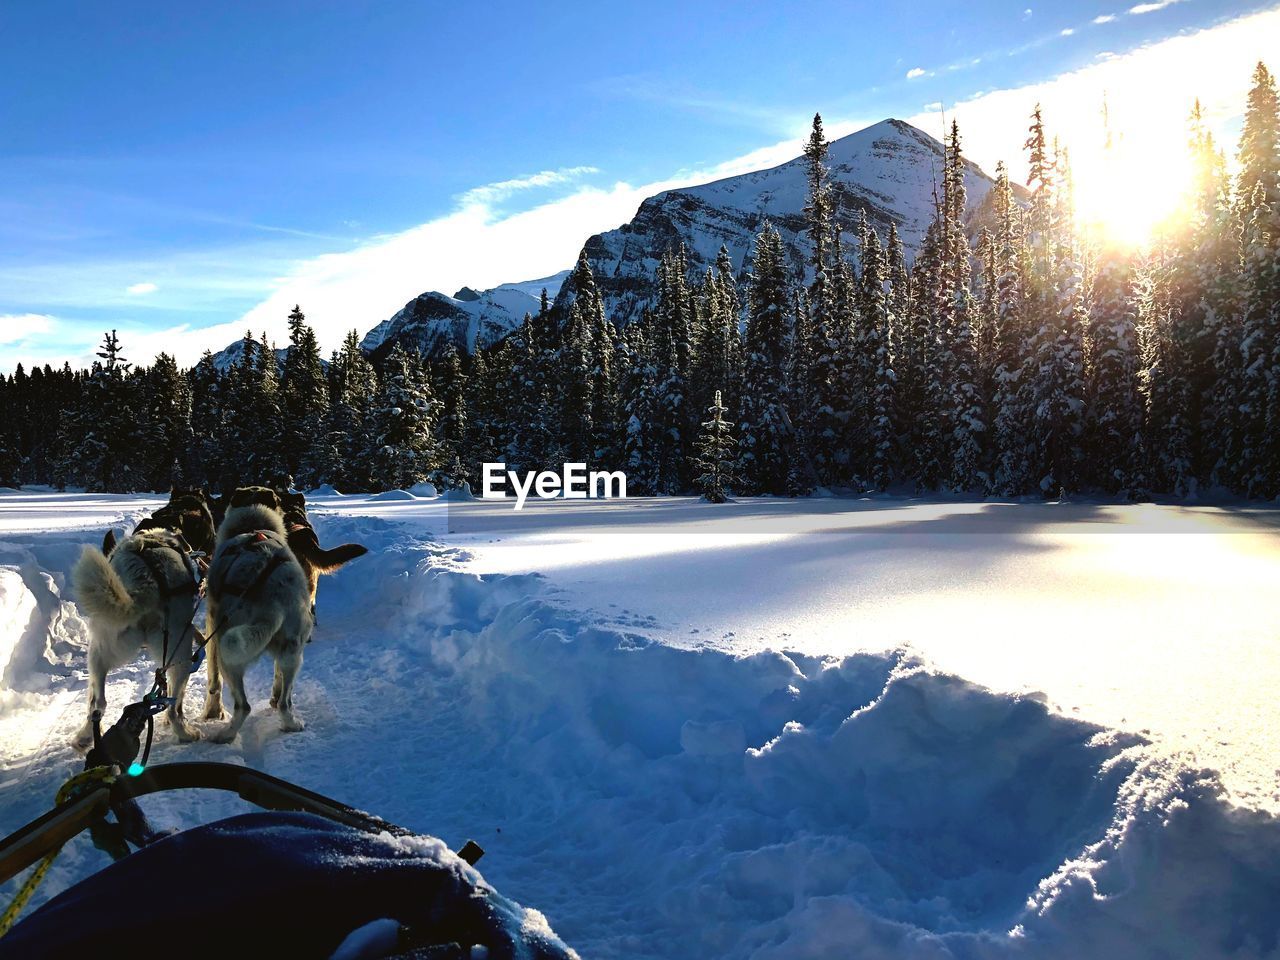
x=639 y=415
x=670 y=345
x=304 y=392
x=921 y=373
x=874 y=344
x=168 y=451
x=728 y=324
x=606 y=441
x=105 y=428
x=766 y=437
x=821 y=409
x=1115 y=406
x=1260 y=351
x=340 y=453
x=451 y=424
x=967 y=414
x=1259 y=157
x=1040 y=182
x=575 y=437
x=404 y=451
x=715 y=448
x=262 y=421
x=1057 y=380
x=1165 y=392
x=1010 y=356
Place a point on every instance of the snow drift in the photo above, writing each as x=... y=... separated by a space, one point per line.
x=663 y=802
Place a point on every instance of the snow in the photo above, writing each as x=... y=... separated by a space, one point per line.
x=753 y=730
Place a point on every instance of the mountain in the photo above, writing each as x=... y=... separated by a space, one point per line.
x=230 y=355
x=430 y=321
x=889 y=170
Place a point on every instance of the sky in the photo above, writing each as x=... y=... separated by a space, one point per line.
x=183 y=173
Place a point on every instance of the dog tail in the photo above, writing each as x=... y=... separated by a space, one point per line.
x=99 y=589
x=307 y=547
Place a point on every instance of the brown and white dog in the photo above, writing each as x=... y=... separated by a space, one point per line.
x=305 y=544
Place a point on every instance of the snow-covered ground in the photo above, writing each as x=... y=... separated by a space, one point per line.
x=771 y=729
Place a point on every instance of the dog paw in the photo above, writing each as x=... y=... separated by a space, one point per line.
x=82 y=741
x=275 y=702
x=186 y=733
x=291 y=724
x=225 y=735
x=213 y=711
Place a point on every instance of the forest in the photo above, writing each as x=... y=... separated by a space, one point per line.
x=1023 y=355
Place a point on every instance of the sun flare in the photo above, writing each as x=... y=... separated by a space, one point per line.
x=1129 y=190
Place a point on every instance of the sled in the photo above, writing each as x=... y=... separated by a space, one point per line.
x=305 y=877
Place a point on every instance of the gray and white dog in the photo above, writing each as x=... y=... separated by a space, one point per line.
x=258 y=601
x=140 y=596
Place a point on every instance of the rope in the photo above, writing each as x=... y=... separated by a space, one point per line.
x=66 y=792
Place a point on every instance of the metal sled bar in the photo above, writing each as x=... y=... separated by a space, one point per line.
x=260 y=789
x=46 y=834
x=29 y=843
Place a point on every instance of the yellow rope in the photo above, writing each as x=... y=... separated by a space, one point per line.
x=65 y=793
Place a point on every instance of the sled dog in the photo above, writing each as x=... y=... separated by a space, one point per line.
x=305 y=545
x=257 y=602
x=142 y=595
x=187 y=514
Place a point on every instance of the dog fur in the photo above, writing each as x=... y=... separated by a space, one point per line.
x=274 y=617
x=304 y=543
x=127 y=612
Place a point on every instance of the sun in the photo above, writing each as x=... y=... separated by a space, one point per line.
x=1128 y=190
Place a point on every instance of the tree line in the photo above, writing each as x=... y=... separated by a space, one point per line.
x=1021 y=357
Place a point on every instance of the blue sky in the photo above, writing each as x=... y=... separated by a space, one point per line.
x=168 y=167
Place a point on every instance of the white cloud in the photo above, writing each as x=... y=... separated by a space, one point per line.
x=1067 y=32
x=915 y=72
x=492 y=193
x=139 y=289
x=15 y=327
x=933 y=107
x=1104 y=18
x=1151 y=7
x=1026 y=14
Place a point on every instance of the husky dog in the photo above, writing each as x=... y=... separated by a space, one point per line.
x=187 y=513
x=257 y=602
x=306 y=545
x=143 y=595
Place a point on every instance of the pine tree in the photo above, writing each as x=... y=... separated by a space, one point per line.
x=104 y=428
x=404 y=450
x=168 y=452
x=1260 y=147
x=967 y=415
x=1010 y=358
x=577 y=430
x=715 y=454
x=1115 y=406
x=1260 y=352
x=767 y=439
x=671 y=353
x=1040 y=181
x=451 y=425
x=304 y=393
x=639 y=408
x=880 y=402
